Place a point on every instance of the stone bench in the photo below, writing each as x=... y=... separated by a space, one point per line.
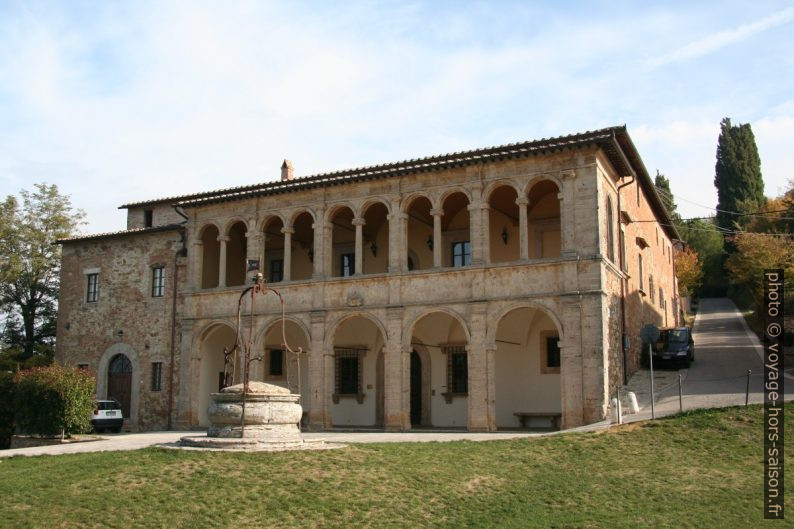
x=554 y=417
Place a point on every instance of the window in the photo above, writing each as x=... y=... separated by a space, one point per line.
x=551 y=346
x=623 y=257
x=461 y=253
x=348 y=264
x=661 y=297
x=639 y=272
x=148 y=218
x=347 y=373
x=275 y=364
x=157 y=376
x=276 y=270
x=82 y=366
x=610 y=232
x=650 y=287
x=457 y=371
x=92 y=292
x=158 y=281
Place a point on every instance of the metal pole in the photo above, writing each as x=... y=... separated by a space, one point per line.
x=653 y=404
x=747 y=391
x=680 y=395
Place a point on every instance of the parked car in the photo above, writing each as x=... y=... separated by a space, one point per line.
x=107 y=416
x=674 y=345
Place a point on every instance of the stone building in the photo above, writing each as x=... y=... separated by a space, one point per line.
x=449 y=291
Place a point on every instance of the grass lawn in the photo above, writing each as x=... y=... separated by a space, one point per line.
x=701 y=469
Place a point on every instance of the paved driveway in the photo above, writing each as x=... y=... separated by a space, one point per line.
x=725 y=349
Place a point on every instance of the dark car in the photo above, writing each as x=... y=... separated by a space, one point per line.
x=674 y=346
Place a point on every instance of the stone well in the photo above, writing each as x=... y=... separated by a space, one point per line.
x=272 y=415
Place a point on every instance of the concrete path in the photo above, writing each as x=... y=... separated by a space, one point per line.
x=724 y=350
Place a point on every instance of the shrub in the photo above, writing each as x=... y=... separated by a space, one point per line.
x=54 y=399
x=6 y=409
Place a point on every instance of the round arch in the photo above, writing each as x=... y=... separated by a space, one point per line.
x=334 y=326
x=297 y=213
x=208 y=364
x=267 y=219
x=406 y=203
x=205 y=227
x=449 y=312
x=535 y=180
x=334 y=209
x=451 y=191
x=102 y=376
x=493 y=186
x=493 y=321
x=371 y=202
x=231 y=222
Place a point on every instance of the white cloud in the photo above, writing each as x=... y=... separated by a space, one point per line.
x=721 y=39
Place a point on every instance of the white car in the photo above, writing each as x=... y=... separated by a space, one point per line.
x=107 y=415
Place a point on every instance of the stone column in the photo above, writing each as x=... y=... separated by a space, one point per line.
x=287 y=231
x=523 y=226
x=437 y=242
x=475 y=233
x=485 y=234
x=571 y=369
x=490 y=376
x=318 y=244
x=478 y=413
x=319 y=413
x=197 y=256
x=397 y=257
x=223 y=239
x=567 y=215
x=397 y=405
x=254 y=249
x=359 y=223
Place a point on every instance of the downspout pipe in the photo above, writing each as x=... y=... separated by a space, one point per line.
x=624 y=338
x=179 y=253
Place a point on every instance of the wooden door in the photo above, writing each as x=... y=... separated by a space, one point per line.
x=120 y=382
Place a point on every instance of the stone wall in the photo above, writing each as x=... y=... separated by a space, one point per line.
x=126 y=318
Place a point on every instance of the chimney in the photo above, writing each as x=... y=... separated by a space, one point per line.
x=286 y=170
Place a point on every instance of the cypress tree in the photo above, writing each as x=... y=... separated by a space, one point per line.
x=740 y=187
x=663 y=188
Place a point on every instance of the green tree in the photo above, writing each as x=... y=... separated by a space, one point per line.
x=754 y=253
x=740 y=187
x=30 y=267
x=705 y=238
x=688 y=270
x=663 y=188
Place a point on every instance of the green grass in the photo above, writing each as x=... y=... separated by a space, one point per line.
x=701 y=469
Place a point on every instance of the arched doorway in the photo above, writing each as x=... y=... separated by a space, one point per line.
x=455 y=231
x=527 y=373
x=120 y=382
x=281 y=367
x=419 y=234
x=503 y=224
x=544 y=220
x=357 y=395
x=440 y=343
x=211 y=252
x=211 y=379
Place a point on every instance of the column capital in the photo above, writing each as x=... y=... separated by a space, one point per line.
x=560 y=196
x=522 y=201
x=358 y=221
x=197 y=242
x=397 y=216
x=288 y=230
x=437 y=212
x=224 y=238
x=254 y=235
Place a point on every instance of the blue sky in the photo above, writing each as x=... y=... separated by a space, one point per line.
x=124 y=101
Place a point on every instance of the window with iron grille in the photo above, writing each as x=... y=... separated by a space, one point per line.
x=457 y=369
x=158 y=281
x=157 y=376
x=92 y=291
x=347 y=373
x=461 y=253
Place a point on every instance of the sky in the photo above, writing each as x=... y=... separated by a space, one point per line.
x=117 y=102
